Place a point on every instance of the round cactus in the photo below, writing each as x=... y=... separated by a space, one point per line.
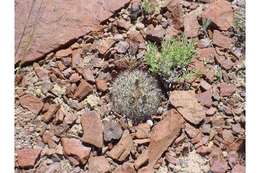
x=135 y=94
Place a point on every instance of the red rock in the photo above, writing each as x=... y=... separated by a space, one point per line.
x=175 y=7
x=221 y=40
x=163 y=134
x=63 y=52
x=47 y=138
x=206 y=54
x=83 y=90
x=35 y=39
x=224 y=62
x=70 y=118
x=42 y=73
x=75 y=77
x=135 y=36
x=228 y=137
x=125 y=168
x=191 y=131
x=238 y=169
x=233 y=158
x=142 y=131
x=219 y=166
x=203 y=150
x=122 y=149
x=92 y=128
x=74 y=148
x=191 y=25
x=226 y=90
x=76 y=59
x=101 y=85
x=34 y=104
x=141 y=159
x=26 y=158
x=88 y=75
x=98 y=164
x=205 y=85
x=188 y=105
x=205 y=98
x=220 y=12
x=104 y=45
x=171 y=32
x=155 y=34
x=146 y=170
x=121 y=23
x=50 y=114
x=112 y=130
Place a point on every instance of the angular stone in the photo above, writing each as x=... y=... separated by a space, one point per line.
x=142 y=131
x=191 y=25
x=122 y=46
x=121 y=23
x=238 y=169
x=50 y=114
x=98 y=164
x=155 y=34
x=226 y=90
x=37 y=31
x=224 y=62
x=122 y=149
x=220 y=12
x=63 y=53
x=76 y=59
x=101 y=85
x=112 y=130
x=205 y=98
x=26 y=158
x=33 y=103
x=221 y=40
x=74 y=148
x=175 y=7
x=187 y=104
x=42 y=73
x=88 y=75
x=163 y=134
x=141 y=159
x=92 y=128
x=219 y=166
x=207 y=54
x=104 y=45
x=83 y=90
x=125 y=168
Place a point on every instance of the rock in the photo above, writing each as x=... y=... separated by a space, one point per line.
x=163 y=134
x=146 y=169
x=226 y=90
x=48 y=138
x=228 y=137
x=191 y=25
x=219 y=166
x=175 y=7
x=63 y=53
x=238 y=169
x=88 y=75
x=48 y=34
x=121 y=23
x=204 y=43
x=220 y=12
x=112 y=130
x=83 y=90
x=74 y=148
x=142 y=131
x=135 y=36
x=50 y=114
x=101 y=85
x=76 y=60
x=70 y=118
x=224 y=62
x=221 y=40
x=122 y=149
x=191 y=131
x=98 y=164
x=93 y=129
x=34 y=104
x=135 y=10
x=125 y=168
x=188 y=105
x=207 y=54
x=141 y=160
x=205 y=85
x=104 y=45
x=205 y=98
x=122 y=46
x=155 y=34
x=75 y=77
x=26 y=158
x=42 y=73
x=171 y=32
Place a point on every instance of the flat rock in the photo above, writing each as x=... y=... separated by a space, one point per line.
x=141 y=159
x=74 y=148
x=112 y=130
x=155 y=34
x=226 y=89
x=207 y=54
x=98 y=164
x=225 y=62
x=238 y=169
x=221 y=40
x=101 y=85
x=187 y=104
x=26 y=158
x=205 y=98
x=163 y=134
x=104 y=45
x=50 y=114
x=37 y=31
x=41 y=72
x=219 y=166
x=191 y=25
x=142 y=131
x=122 y=46
x=92 y=128
x=125 y=168
x=220 y=12
x=31 y=102
x=83 y=90
x=122 y=149
x=175 y=7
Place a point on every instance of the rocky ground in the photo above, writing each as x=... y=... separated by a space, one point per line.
x=64 y=118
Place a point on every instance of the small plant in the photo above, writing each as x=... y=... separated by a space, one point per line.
x=135 y=94
x=149 y=7
x=174 y=53
x=240 y=26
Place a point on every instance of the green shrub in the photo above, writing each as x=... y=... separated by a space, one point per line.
x=174 y=53
x=135 y=94
x=149 y=7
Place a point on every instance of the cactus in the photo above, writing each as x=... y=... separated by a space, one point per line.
x=135 y=95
